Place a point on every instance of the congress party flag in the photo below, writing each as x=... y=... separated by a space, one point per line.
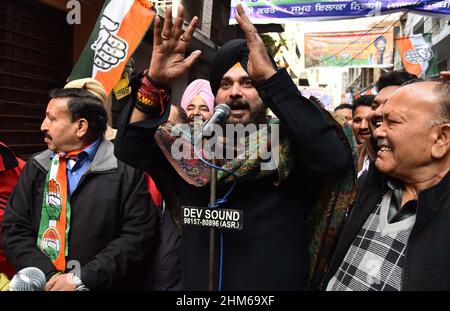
x=417 y=55
x=117 y=33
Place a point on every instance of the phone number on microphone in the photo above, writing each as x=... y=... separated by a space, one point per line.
x=213 y=223
x=201 y=222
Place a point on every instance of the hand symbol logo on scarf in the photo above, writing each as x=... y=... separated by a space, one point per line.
x=53 y=199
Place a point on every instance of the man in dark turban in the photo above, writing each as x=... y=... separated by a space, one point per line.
x=267 y=248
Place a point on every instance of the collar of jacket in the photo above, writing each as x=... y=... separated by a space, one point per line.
x=104 y=159
x=431 y=201
x=435 y=199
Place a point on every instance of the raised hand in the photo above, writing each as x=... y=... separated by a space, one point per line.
x=259 y=66
x=169 y=46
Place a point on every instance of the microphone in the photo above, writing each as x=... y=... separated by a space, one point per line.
x=29 y=279
x=221 y=113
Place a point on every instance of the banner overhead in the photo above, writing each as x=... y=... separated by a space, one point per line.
x=292 y=11
x=349 y=49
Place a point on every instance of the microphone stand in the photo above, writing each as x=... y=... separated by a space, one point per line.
x=221 y=112
x=212 y=233
x=212 y=202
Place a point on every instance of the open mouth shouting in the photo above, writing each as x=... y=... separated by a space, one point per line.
x=238 y=108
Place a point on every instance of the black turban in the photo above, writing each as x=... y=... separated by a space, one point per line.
x=227 y=56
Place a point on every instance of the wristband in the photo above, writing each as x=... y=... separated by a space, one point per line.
x=151 y=98
x=158 y=84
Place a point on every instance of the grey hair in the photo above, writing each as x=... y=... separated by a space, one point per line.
x=442 y=92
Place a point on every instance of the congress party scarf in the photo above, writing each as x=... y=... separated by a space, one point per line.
x=194 y=172
x=55 y=215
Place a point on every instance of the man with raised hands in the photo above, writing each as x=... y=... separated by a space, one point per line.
x=274 y=194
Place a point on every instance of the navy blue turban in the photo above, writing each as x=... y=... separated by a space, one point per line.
x=228 y=55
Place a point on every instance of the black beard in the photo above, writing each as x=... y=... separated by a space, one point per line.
x=258 y=118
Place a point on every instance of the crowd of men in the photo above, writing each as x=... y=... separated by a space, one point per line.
x=93 y=215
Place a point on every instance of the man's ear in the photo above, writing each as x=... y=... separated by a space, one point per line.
x=82 y=127
x=441 y=144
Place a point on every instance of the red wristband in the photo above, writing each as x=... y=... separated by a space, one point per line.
x=150 y=98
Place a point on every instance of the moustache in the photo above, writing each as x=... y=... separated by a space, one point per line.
x=47 y=135
x=364 y=132
x=193 y=117
x=238 y=104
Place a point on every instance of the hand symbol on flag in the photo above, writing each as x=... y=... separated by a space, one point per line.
x=109 y=48
x=54 y=200
x=419 y=55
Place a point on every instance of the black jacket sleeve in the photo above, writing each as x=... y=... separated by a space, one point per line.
x=19 y=233
x=135 y=143
x=133 y=244
x=317 y=143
